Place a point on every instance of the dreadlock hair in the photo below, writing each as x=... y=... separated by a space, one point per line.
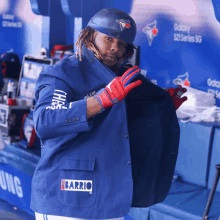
x=86 y=37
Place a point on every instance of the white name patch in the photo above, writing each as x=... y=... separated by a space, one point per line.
x=76 y=185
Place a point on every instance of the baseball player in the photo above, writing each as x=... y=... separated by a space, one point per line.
x=109 y=137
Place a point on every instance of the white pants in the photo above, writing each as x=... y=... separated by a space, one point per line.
x=39 y=216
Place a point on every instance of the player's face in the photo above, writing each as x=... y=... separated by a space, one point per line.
x=111 y=48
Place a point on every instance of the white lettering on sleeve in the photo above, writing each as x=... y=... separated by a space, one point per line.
x=58 y=100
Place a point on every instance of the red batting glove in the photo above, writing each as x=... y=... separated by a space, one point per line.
x=176 y=96
x=118 y=88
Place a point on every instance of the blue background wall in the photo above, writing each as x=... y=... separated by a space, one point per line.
x=179 y=42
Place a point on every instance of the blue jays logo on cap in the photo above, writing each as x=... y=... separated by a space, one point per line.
x=124 y=24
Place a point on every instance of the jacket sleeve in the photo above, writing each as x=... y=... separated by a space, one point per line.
x=56 y=112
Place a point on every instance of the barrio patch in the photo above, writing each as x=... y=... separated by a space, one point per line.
x=76 y=185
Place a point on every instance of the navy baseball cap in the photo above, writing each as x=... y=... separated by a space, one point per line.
x=114 y=23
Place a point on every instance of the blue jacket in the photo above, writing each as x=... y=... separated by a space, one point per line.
x=99 y=168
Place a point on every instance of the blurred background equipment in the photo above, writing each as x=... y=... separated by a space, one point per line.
x=11 y=65
x=59 y=52
x=199 y=107
x=28 y=137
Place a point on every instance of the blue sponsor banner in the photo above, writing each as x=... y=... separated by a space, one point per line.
x=179 y=43
x=20 y=28
x=15 y=187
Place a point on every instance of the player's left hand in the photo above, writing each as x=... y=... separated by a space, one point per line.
x=176 y=96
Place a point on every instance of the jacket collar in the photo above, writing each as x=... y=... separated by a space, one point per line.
x=89 y=55
x=100 y=70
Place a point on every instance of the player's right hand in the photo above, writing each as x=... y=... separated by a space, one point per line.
x=118 y=88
